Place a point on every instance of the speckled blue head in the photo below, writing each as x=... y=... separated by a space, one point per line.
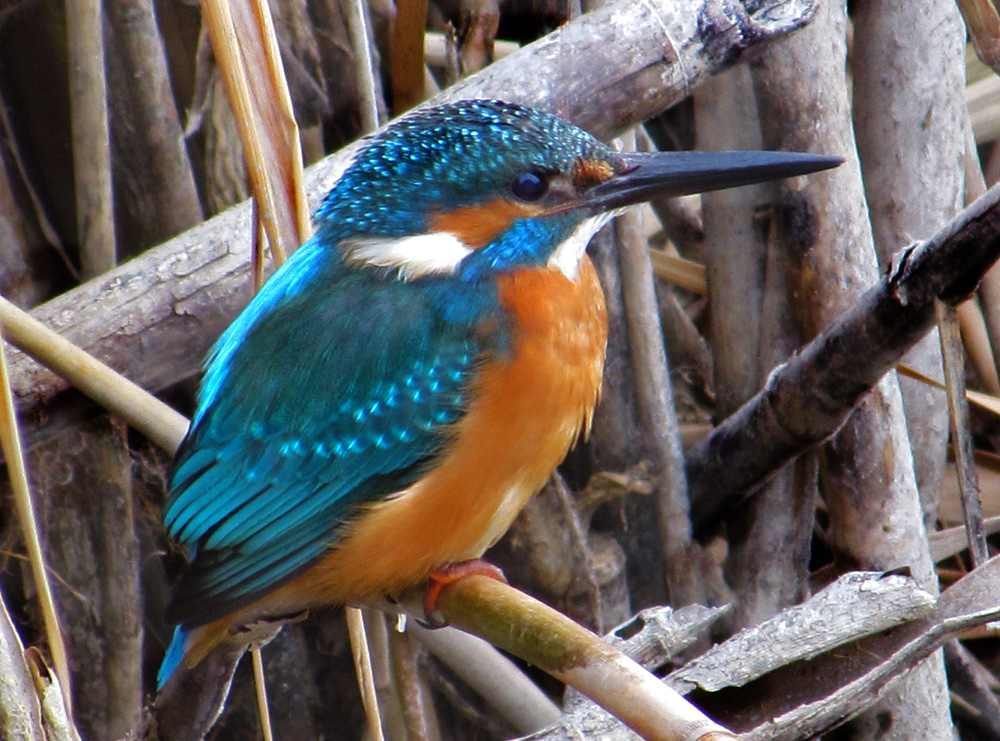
x=447 y=157
x=492 y=184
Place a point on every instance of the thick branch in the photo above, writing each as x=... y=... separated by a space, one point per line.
x=842 y=364
x=810 y=667
x=854 y=675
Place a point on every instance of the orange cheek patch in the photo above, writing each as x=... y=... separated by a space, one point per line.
x=479 y=225
x=591 y=172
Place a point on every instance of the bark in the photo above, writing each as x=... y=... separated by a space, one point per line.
x=769 y=538
x=224 y=167
x=17 y=280
x=868 y=479
x=20 y=709
x=804 y=671
x=494 y=676
x=842 y=364
x=909 y=114
x=973 y=682
x=336 y=56
x=616 y=442
x=811 y=693
x=83 y=484
x=989 y=289
x=359 y=29
x=654 y=397
x=552 y=553
x=302 y=61
x=91 y=138
x=690 y=353
x=153 y=175
x=406 y=56
x=736 y=243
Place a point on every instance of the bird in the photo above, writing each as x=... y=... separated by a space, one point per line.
x=403 y=384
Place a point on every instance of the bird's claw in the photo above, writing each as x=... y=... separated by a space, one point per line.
x=446 y=575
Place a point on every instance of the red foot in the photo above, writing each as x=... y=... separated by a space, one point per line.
x=448 y=574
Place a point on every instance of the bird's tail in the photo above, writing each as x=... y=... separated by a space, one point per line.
x=189 y=647
x=174 y=656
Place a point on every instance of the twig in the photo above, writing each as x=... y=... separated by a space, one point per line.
x=653 y=637
x=22 y=715
x=983 y=23
x=154 y=178
x=989 y=288
x=382 y=659
x=407 y=54
x=56 y=716
x=752 y=324
x=91 y=137
x=780 y=423
x=357 y=25
x=895 y=139
x=858 y=604
x=972 y=681
x=492 y=675
x=139 y=408
x=435 y=52
x=410 y=685
x=952 y=540
x=264 y=147
x=260 y=687
x=519 y=624
x=866 y=667
x=55 y=575
x=677 y=271
x=363 y=668
x=10 y=443
x=968 y=481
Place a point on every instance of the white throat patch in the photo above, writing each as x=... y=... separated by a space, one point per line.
x=566 y=257
x=437 y=253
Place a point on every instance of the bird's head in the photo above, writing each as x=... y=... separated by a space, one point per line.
x=479 y=187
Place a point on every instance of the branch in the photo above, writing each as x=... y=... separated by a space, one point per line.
x=853 y=676
x=808 y=668
x=841 y=364
x=814 y=665
x=523 y=626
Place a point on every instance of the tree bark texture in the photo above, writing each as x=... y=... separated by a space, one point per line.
x=909 y=94
x=868 y=479
x=752 y=331
x=91 y=137
x=153 y=173
x=83 y=481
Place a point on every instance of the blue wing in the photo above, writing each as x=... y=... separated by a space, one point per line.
x=332 y=389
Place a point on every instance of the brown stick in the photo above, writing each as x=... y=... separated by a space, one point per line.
x=91 y=138
x=842 y=364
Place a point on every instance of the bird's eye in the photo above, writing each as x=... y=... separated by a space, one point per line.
x=530 y=186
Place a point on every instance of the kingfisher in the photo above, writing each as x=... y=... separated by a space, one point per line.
x=414 y=373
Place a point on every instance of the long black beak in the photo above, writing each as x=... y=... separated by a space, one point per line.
x=665 y=174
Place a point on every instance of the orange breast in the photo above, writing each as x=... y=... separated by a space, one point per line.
x=525 y=414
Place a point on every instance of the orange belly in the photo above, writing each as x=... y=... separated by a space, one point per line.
x=526 y=412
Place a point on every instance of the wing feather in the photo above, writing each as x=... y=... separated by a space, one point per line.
x=321 y=397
